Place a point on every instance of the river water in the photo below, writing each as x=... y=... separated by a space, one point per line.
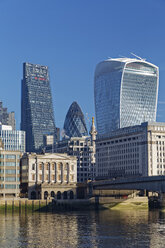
x=122 y=228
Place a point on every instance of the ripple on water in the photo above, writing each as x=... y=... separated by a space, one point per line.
x=101 y=229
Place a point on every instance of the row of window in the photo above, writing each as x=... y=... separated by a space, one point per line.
x=10 y=156
x=9 y=171
x=53 y=177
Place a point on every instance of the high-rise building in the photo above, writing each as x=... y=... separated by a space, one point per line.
x=13 y=140
x=74 y=125
x=7 y=118
x=126 y=92
x=37 y=116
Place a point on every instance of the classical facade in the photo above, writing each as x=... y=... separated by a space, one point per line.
x=37 y=115
x=9 y=173
x=84 y=149
x=126 y=92
x=137 y=150
x=49 y=175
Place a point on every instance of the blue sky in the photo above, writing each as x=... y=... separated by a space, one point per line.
x=71 y=37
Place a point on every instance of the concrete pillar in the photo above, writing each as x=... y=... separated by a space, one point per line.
x=55 y=171
x=50 y=172
x=43 y=172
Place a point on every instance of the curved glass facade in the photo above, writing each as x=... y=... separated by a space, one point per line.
x=74 y=124
x=125 y=93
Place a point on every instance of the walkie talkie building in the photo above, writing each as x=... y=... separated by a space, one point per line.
x=37 y=116
x=126 y=92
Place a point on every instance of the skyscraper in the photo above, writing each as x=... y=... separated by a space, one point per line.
x=7 y=118
x=126 y=92
x=37 y=117
x=74 y=124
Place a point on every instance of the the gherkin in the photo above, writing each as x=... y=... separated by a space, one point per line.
x=74 y=125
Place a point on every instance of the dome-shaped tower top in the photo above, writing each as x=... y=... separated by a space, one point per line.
x=74 y=124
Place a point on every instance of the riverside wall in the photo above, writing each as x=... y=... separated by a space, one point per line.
x=25 y=205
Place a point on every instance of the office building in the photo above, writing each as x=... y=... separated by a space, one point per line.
x=48 y=175
x=7 y=118
x=9 y=173
x=126 y=92
x=84 y=149
x=74 y=125
x=37 y=117
x=13 y=140
x=132 y=151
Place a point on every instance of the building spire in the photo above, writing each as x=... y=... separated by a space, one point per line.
x=93 y=131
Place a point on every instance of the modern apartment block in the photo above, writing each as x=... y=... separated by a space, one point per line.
x=13 y=140
x=74 y=125
x=37 y=116
x=9 y=173
x=137 y=150
x=7 y=118
x=84 y=149
x=126 y=92
x=48 y=175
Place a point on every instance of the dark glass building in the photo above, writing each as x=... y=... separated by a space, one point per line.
x=37 y=117
x=74 y=125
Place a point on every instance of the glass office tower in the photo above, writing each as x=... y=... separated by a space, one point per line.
x=126 y=92
x=37 y=117
x=74 y=124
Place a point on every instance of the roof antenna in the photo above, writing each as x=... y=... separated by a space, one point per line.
x=137 y=56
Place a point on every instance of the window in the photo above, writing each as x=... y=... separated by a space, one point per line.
x=9 y=156
x=10 y=179
x=33 y=166
x=10 y=186
x=10 y=164
x=10 y=171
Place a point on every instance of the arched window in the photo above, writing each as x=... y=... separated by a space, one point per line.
x=65 y=196
x=58 y=195
x=45 y=195
x=71 y=195
x=52 y=194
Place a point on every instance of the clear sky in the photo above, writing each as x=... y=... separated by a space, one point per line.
x=71 y=37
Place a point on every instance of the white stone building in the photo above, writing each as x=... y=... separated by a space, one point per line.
x=48 y=175
x=84 y=149
x=137 y=150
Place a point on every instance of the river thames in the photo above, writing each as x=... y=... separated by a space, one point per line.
x=122 y=228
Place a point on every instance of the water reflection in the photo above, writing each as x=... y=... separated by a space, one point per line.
x=83 y=229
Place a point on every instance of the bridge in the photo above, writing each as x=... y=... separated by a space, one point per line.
x=150 y=183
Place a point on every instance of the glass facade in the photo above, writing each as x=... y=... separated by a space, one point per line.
x=37 y=116
x=13 y=140
x=74 y=125
x=125 y=92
